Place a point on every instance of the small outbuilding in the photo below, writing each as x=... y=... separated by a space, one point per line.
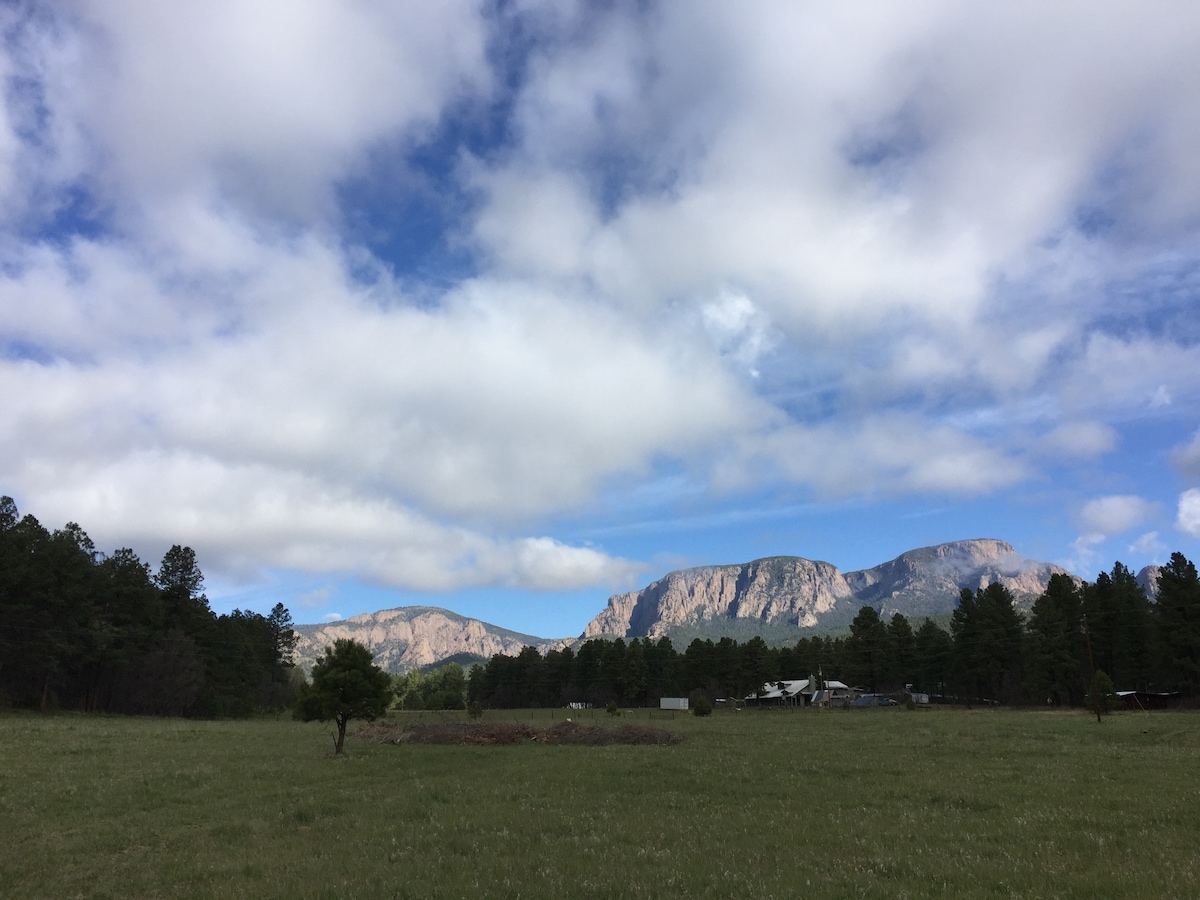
x=1148 y=700
x=680 y=703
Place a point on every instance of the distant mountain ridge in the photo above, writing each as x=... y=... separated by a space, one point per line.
x=779 y=598
x=793 y=592
x=410 y=637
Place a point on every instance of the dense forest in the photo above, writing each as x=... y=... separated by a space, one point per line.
x=990 y=652
x=100 y=633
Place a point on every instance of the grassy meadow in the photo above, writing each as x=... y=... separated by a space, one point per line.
x=850 y=803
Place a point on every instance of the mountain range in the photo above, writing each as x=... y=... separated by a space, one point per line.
x=780 y=598
x=413 y=637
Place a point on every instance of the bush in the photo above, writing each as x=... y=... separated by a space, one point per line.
x=702 y=707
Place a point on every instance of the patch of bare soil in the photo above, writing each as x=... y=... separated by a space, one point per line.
x=511 y=733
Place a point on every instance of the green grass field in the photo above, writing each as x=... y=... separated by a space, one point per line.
x=861 y=803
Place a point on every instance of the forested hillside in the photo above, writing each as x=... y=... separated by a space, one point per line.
x=83 y=630
x=991 y=651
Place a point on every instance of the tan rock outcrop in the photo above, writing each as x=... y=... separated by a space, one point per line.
x=409 y=637
x=777 y=589
x=790 y=590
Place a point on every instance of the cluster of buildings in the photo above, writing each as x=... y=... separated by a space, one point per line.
x=806 y=692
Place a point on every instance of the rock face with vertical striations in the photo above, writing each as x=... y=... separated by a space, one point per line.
x=927 y=582
x=793 y=592
x=413 y=636
x=777 y=589
x=1147 y=579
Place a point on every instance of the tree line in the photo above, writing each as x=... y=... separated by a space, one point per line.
x=990 y=651
x=87 y=631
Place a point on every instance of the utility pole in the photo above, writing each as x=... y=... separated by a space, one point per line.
x=1088 y=637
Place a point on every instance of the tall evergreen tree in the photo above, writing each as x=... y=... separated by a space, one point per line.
x=633 y=680
x=87 y=632
x=867 y=648
x=758 y=665
x=1057 y=661
x=934 y=651
x=987 y=633
x=1177 y=614
x=1119 y=627
x=899 y=667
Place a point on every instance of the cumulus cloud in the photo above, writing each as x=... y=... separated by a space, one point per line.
x=1149 y=544
x=925 y=161
x=876 y=455
x=1115 y=514
x=1083 y=553
x=244 y=518
x=1187 y=519
x=1186 y=458
x=267 y=103
x=738 y=328
x=916 y=246
x=1079 y=440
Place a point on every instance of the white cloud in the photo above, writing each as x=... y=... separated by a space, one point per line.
x=1079 y=440
x=331 y=617
x=1186 y=458
x=1116 y=513
x=1121 y=372
x=1083 y=553
x=317 y=598
x=877 y=455
x=874 y=212
x=243 y=518
x=835 y=184
x=738 y=328
x=1150 y=545
x=1188 y=518
x=270 y=101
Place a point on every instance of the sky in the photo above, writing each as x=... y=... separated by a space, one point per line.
x=505 y=307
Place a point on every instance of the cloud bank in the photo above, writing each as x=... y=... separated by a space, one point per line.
x=396 y=291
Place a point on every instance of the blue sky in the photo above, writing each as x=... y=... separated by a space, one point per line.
x=506 y=307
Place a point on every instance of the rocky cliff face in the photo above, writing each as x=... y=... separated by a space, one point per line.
x=413 y=636
x=779 y=593
x=928 y=581
x=791 y=591
x=778 y=589
x=1148 y=579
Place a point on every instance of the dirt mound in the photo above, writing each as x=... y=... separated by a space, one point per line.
x=511 y=733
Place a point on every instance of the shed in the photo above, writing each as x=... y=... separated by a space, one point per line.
x=673 y=703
